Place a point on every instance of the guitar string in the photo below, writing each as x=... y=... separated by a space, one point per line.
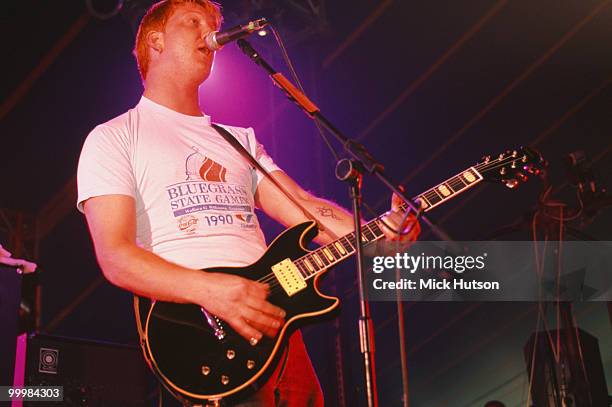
x=431 y=193
x=271 y=278
x=483 y=167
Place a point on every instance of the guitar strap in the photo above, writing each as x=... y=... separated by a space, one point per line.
x=238 y=147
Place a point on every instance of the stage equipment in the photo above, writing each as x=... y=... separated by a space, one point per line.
x=200 y=358
x=573 y=376
x=91 y=373
x=10 y=297
x=565 y=364
x=592 y=196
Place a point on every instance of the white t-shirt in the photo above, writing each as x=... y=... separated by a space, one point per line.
x=194 y=192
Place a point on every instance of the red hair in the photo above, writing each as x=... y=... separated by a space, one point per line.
x=156 y=18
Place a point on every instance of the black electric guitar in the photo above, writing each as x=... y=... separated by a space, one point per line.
x=200 y=358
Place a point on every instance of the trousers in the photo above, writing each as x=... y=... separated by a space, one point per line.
x=293 y=383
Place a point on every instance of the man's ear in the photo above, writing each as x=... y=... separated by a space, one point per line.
x=155 y=40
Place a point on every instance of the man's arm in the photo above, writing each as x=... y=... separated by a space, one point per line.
x=240 y=302
x=336 y=221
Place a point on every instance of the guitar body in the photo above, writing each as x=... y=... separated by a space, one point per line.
x=194 y=364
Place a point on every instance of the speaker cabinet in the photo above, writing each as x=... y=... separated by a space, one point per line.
x=10 y=297
x=574 y=376
x=94 y=374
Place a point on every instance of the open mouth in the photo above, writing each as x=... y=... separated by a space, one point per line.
x=203 y=49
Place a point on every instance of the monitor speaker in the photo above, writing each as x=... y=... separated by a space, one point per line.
x=10 y=296
x=95 y=374
x=571 y=376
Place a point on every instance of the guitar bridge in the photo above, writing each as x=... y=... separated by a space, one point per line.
x=215 y=324
x=289 y=277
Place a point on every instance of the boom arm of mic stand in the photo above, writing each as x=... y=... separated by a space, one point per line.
x=355 y=149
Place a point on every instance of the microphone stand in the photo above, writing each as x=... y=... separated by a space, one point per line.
x=351 y=171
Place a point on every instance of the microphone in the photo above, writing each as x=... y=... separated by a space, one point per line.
x=216 y=39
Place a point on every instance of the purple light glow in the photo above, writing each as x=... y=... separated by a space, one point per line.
x=236 y=92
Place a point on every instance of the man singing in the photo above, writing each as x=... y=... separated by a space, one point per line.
x=165 y=196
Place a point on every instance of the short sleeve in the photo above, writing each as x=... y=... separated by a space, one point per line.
x=260 y=154
x=104 y=165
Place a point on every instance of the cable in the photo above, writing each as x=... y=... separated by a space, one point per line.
x=296 y=79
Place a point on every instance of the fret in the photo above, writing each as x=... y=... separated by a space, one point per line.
x=457 y=188
x=301 y=268
x=309 y=265
x=434 y=196
x=317 y=259
x=424 y=202
x=328 y=254
x=431 y=196
x=347 y=244
x=469 y=176
x=367 y=232
x=334 y=251
x=321 y=256
x=444 y=190
x=454 y=188
x=376 y=228
x=341 y=249
x=351 y=240
x=459 y=185
x=460 y=180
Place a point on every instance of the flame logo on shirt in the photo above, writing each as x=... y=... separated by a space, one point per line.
x=208 y=170
x=246 y=218
x=212 y=171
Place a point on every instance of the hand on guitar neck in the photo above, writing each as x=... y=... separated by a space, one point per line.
x=399 y=225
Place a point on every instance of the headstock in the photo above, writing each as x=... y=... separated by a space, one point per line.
x=511 y=167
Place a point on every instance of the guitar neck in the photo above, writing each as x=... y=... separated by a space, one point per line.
x=333 y=253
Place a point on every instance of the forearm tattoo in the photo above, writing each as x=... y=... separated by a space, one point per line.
x=327 y=212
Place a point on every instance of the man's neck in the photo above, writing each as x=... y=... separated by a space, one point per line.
x=180 y=97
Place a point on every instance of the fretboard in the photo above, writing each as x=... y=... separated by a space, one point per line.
x=335 y=252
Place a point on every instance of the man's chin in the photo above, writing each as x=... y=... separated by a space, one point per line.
x=204 y=77
x=205 y=71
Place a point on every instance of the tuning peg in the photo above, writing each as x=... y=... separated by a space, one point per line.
x=521 y=177
x=511 y=183
x=532 y=169
x=502 y=171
